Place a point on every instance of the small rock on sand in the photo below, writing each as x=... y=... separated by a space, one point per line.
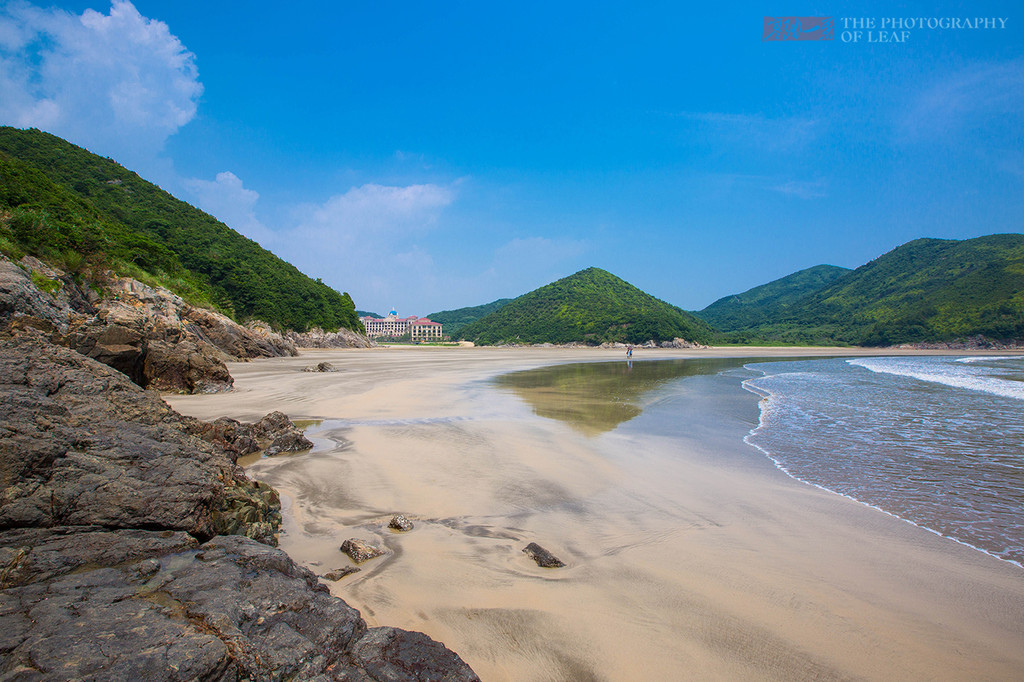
x=400 y=523
x=360 y=551
x=544 y=558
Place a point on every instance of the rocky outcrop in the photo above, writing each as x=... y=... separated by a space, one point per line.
x=111 y=566
x=151 y=335
x=681 y=343
x=81 y=445
x=318 y=338
x=973 y=343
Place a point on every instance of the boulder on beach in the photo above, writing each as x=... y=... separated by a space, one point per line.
x=321 y=367
x=275 y=433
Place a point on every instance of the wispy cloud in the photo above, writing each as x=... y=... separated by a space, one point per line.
x=117 y=83
x=230 y=202
x=968 y=98
x=802 y=189
x=754 y=130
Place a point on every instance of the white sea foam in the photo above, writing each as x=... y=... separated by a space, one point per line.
x=989 y=358
x=966 y=377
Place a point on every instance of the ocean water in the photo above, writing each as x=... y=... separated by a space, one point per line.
x=937 y=441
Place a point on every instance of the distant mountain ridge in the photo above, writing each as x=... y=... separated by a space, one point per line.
x=769 y=301
x=927 y=290
x=455 y=320
x=591 y=306
x=83 y=212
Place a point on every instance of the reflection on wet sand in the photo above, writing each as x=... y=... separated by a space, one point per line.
x=595 y=397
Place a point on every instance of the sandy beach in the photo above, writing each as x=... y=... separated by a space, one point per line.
x=687 y=558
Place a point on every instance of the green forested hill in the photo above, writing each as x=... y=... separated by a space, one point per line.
x=591 y=306
x=770 y=301
x=66 y=205
x=927 y=290
x=455 y=320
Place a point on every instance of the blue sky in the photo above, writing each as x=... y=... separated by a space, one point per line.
x=432 y=155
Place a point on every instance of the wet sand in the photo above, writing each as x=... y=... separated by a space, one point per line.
x=689 y=557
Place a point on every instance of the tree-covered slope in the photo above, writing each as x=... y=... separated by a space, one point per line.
x=762 y=304
x=455 y=320
x=67 y=205
x=591 y=306
x=927 y=290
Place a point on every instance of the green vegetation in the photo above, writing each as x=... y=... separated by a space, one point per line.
x=363 y=313
x=928 y=290
x=44 y=283
x=592 y=307
x=70 y=207
x=455 y=320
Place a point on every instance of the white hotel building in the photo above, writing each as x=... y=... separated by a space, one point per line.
x=418 y=328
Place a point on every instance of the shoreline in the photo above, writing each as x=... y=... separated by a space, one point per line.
x=824 y=488
x=706 y=559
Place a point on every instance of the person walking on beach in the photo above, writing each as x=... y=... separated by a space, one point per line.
x=629 y=351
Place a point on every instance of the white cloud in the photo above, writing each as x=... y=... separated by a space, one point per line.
x=119 y=84
x=229 y=201
x=379 y=209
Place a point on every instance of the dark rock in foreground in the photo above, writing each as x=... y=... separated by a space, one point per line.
x=544 y=558
x=395 y=655
x=228 y=609
x=339 y=573
x=360 y=551
x=112 y=561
